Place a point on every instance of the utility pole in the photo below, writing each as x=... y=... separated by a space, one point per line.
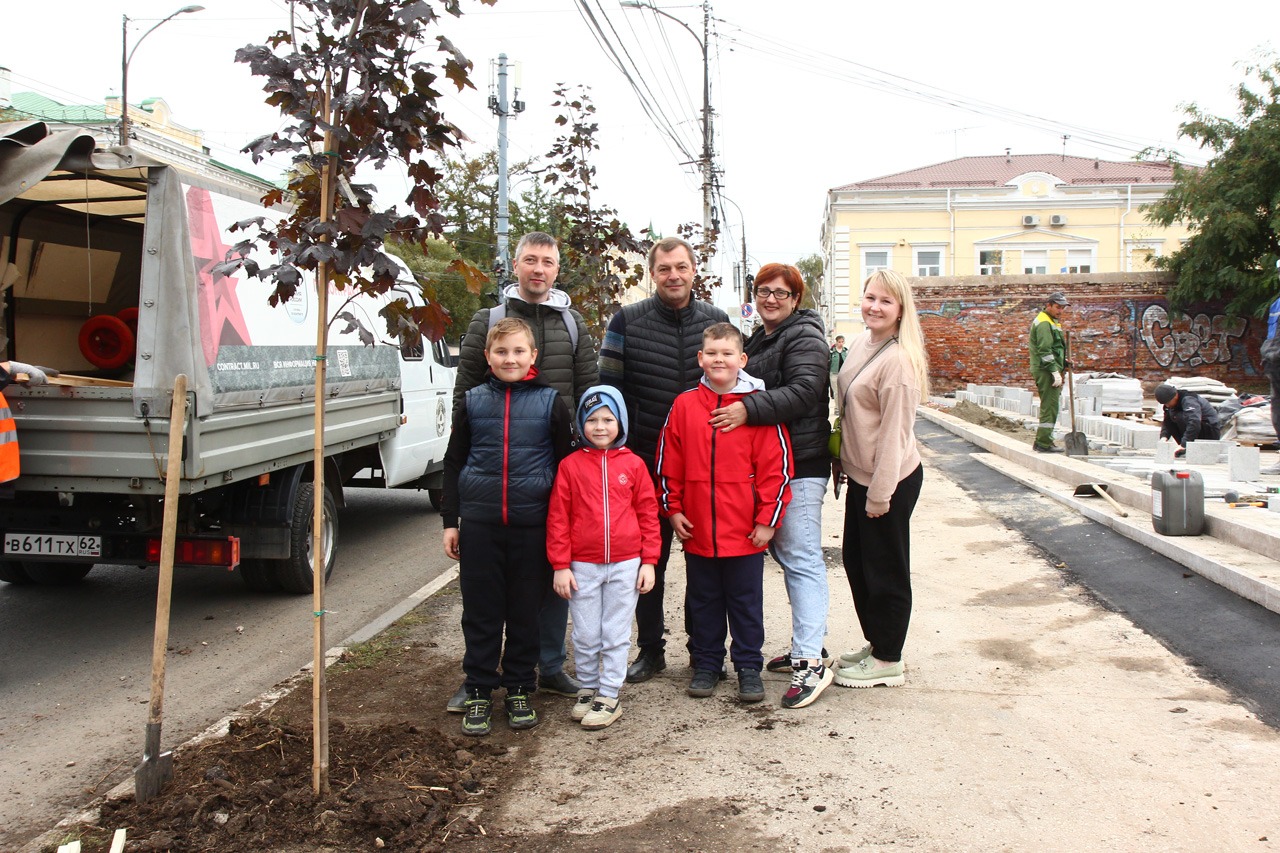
x=706 y=163
x=500 y=107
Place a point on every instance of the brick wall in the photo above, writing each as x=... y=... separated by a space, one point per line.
x=976 y=330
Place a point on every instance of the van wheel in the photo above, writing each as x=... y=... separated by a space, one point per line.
x=295 y=574
x=259 y=575
x=436 y=496
x=11 y=572
x=56 y=574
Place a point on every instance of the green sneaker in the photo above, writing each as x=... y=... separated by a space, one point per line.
x=476 y=717
x=852 y=656
x=864 y=673
x=520 y=714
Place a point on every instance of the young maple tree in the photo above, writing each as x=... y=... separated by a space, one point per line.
x=357 y=89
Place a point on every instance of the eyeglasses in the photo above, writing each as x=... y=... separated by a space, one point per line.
x=780 y=295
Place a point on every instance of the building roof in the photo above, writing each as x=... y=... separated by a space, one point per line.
x=31 y=105
x=998 y=170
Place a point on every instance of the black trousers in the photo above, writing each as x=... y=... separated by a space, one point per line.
x=725 y=594
x=650 y=622
x=504 y=575
x=877 y=561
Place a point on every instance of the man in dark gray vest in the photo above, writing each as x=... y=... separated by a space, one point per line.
x=650 y=353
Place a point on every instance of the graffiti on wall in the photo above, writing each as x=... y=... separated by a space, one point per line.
x=1187 y=340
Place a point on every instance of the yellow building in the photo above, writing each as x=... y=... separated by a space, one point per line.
x=1026 y=214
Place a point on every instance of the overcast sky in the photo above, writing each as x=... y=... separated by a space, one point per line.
x=807 y=94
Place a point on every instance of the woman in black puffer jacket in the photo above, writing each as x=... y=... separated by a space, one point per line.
x=789 y=352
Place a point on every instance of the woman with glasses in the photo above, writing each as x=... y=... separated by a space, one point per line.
x=789 y=353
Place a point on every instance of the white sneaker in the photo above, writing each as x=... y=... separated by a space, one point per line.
x=602 y=714
x=582 y=704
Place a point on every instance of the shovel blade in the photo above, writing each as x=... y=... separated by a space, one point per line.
x=156 y=769
x=1076 y=443
x=152 y=775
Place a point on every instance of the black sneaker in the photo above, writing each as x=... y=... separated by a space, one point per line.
x=750 y=687
x=1050 y=449
x=648 y=664
x=703 y=683
x=520 y=714
x=782 y=663
x=458 y=702
x=562 y=684
x=479 y=710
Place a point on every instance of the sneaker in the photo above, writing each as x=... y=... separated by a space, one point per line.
x=583 y=704
x=750 y=687
x=648 y=664
x=562 y=684
x=782 y=663
x=703 y=683
x=851 y=657
x=807 y=683
x=520 y=714
x=458 y=701
x=865 y=674
x=478 y=711
x=602 y=714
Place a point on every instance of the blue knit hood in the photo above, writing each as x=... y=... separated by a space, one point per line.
x=603 y=395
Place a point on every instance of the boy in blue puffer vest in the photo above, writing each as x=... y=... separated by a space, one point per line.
x=508 y=437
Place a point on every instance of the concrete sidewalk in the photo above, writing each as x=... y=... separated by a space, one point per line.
x=1032 y=717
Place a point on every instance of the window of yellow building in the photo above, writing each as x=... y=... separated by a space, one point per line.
x=1035 y=261
x=990 y=262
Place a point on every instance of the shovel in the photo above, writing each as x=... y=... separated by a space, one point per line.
x=1076 y=443
x=156 y=768
x=1098 y=490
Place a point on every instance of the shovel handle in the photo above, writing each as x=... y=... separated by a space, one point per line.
x=1114 y=505
x=1071 y=385
x=164 y=589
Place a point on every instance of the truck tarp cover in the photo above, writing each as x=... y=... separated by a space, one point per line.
x=237 y=350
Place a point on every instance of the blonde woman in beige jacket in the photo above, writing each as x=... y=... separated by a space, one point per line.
x=883 y=380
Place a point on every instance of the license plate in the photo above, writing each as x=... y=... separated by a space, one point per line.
x=52 y=545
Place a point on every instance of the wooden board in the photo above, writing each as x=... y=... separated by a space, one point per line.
x=74 y=380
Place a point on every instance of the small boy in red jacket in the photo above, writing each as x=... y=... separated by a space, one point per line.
x=725 y=492
x=603 y=541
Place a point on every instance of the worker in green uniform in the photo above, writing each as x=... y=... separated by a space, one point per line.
x=1048 y=362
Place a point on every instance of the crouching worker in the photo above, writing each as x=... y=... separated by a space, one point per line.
x=507 y=438
x=1187 y=417
x=603 y=541
x=725 y=492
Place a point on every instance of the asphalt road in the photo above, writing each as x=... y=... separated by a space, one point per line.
x=75 y=668
x=1234 y=642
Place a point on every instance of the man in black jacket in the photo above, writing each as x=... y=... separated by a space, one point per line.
x=1187 y=417
x=650 y=352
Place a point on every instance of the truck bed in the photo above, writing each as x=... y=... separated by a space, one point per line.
x=88 y=439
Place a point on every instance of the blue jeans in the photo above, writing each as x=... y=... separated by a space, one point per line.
x=797 y=546
x=553 y=622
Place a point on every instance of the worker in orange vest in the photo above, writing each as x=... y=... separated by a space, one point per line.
x=10 y=372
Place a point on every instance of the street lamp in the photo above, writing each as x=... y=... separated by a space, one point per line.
x=126 y=56
x=707 y=170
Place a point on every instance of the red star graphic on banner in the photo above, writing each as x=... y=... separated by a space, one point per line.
x=221 y=319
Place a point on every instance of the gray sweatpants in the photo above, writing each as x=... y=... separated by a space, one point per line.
x=602 y=609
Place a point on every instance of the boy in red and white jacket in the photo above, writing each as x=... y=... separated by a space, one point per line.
x=725 y=492
x=603 y=541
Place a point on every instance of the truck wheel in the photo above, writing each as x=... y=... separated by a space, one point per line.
x=436 y=496
x=259 y=575
x=11 y=572
x=295 y=573
x=56 y=574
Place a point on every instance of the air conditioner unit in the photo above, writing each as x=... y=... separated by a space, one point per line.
x=1057 y=219
x=1030 y=220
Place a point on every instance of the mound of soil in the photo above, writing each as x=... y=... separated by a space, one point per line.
x=975 y=414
